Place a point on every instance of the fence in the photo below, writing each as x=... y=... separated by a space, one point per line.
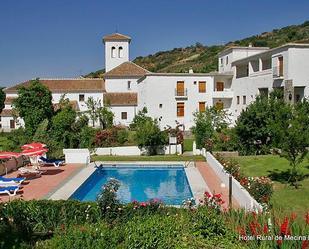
x=244 y=199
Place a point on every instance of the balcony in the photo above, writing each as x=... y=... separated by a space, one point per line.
x=278 y=72
x=225 y=94
x=181 y=94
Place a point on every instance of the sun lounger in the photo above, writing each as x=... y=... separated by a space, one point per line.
x=8 y=183
x=26 y=171
x=45 y=161
x=9 y=179
x=11 y=191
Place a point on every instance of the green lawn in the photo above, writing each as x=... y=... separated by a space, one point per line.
x=188 y=144
x=148 y=158
x=285 y=197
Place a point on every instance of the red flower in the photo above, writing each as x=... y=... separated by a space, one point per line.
x=207 y=194
x=307 y=218
x=242 y=231
x=265 y=229
x=284 y=228
x=279 y=242
x=305 y=244
x=143 y=204
x=252 y=227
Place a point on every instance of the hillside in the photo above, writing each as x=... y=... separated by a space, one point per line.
x=203 y=58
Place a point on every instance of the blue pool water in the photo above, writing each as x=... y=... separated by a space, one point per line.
x=169 y=184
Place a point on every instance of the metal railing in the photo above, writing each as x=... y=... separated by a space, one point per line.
x=181 y=93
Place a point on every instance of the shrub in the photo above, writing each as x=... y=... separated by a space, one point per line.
x=106 y=138
x=94 y=236
x=107 y=199
x=122 y=136
x=261 y=188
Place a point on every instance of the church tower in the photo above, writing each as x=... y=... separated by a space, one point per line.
x=116 y=50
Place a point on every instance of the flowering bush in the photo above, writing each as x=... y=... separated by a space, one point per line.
x=107 y=199
x=261 y=188
x=263 y=230
x=214 y=201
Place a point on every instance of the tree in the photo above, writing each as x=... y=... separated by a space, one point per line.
x=206 y=123
x=33 y=105
x=150 y=137
x=93 y=106
x=252 y=126
x=140 y=118
x=290 y=124
x=62 y=122
x=2 y=99
x=106 y=117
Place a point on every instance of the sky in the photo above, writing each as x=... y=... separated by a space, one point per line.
x=63 y=38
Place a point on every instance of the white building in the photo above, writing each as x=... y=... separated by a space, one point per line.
x=244 y=73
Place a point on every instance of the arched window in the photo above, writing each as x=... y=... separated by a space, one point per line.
x=120 y=52
x=113 y=52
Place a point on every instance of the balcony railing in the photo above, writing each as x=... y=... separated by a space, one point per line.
x=226 y=93
x=181 y=93
x=277 y=72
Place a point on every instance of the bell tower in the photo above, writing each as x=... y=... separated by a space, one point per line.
x=116 y=50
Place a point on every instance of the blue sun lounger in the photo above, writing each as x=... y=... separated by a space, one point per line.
x=10 y=179
x=11 y=191
x=46 y=161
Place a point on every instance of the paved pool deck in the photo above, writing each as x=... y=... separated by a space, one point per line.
x=215 y=185
x=42 y=187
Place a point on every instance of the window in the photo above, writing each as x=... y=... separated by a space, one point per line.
x=280 y=61
x=219 y=86
x=120 y=52
x=160 y=105
x=113 y=52
x=0 y=125
x=129 y=84
x=244 y=100
x=227 y=60
x=219 y=105
x=221 y=61
x=202 y=86
x=12 y=124
x=124 y=115
x=180 y=91
x=0 y=118
x=81 y=97
x=297 y=98
x=181 y=109
x=238 y=100
x=201 y=106
x=194 y=82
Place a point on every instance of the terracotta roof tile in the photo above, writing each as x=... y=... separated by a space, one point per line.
x=6 y=113
x=65 y=85
x=116 y=37
x=120 y=99
x=128 y=68
x=9 y=100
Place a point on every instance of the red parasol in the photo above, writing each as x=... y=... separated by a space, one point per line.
x=8 y=155
x=33 y=146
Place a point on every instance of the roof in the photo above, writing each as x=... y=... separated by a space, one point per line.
x=120 y=98
x=65 y=85
x=126 y=69
x=73 y=104
x=6 y=113
x=116 y=37
x=9 y=100
x=241 y=48
x=269 y=52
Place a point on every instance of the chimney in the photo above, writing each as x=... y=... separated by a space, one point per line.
x=191 y=70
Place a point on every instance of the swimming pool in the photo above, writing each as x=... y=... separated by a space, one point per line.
x=141 y=183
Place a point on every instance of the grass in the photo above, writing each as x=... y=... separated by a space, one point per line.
x=188 y=144
x=149 y=158
x=285 y=197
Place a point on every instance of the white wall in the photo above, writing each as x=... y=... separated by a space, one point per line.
x=117 y=110
x=121 y=85
x=111 y=62
x=156 y=90
x=77 y=156
x=244 y=199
